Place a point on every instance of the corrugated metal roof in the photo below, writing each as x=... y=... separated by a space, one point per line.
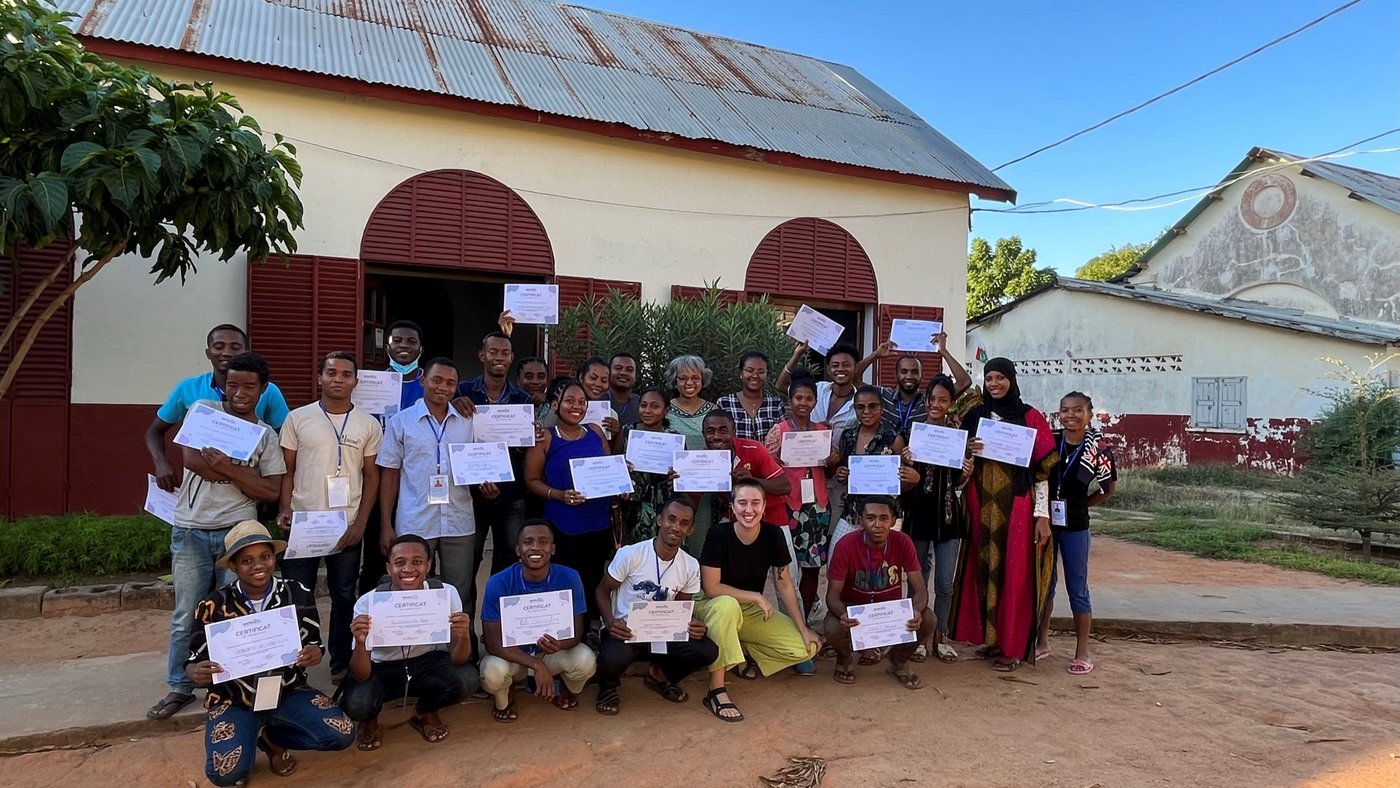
x=564 y=60
x=1381 y=189
x=1372 y=333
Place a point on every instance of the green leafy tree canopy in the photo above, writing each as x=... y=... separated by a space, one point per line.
x=1113 y=263
x=120 y=160
x=1001 y=274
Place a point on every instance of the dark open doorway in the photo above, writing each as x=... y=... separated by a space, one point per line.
x=850 y=316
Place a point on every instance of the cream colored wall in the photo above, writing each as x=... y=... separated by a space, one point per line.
x=1280 y=364
x=918 y=259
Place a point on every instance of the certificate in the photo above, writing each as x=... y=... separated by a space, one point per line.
x=703 y=470
x=881 y=624
x=206 y=427
x=159 y=502
x=817 y=330
x=409 y=618
x=653 y=452
x=379 y=393
x=474 y=463
x=254 y=643
x=805 y=449
x=513 y=425
x=597 y=412
x=526 y=618
x=658 y=622
x=1008 y=443
x=873 y=474
x=533 y=303
x=937 y=445
x=915 y=336
x=599 y=477
x=315 y=533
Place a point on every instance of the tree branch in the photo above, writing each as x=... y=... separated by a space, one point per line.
x=13 y=324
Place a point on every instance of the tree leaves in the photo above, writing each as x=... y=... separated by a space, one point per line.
x=1113 y=263
x=995 y=276
x=50 y=194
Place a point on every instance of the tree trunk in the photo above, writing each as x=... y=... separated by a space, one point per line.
x=1366 y=545
x=39 y=322
x=13 y=326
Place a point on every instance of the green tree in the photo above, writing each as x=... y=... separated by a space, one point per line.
x=1113 y=263
x=1000 y=274
x=119 y=160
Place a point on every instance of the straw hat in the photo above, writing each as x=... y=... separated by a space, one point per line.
x=248 y=532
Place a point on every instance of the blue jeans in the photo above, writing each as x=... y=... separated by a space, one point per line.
x=303 y=720
x=193 y=552
x=342 y=578
x=1072 y=550
x=939 y=561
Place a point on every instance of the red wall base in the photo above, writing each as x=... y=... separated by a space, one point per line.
x=1149 y=440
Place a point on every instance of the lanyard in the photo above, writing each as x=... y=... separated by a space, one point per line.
x=902 y=413
x=262 y=605
x=1072 y=461
x=660 y=573
x=339 y=436
x=432 y=425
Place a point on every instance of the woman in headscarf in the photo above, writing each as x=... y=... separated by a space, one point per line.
x=1004 y=567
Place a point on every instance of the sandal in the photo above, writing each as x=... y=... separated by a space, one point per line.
x=871 y=657
x=506 y=715
x=1004 y=665
x=906 y=678
x=920 y=654
x=564 y=700
x=431 y=734
x=1080 y=667
x=370 y=739
x=846 y=675
x=280 y=763
x=166 y=707
x=748 y=671
x=608 y=702
x=667 y=690
x=1042 y=653
x=946 y=653
x=716 y=707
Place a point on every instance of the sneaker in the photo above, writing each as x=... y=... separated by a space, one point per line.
x=805 y=668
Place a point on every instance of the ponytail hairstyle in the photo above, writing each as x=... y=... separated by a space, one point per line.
x=801 y=378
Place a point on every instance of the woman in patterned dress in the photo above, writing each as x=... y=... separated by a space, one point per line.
x=650 y=490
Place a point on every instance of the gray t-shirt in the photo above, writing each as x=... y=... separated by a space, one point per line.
x=209 y=505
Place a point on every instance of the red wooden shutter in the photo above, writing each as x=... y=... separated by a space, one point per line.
x=689 y=293
x=300 y=311
x=812 y=258
x=34 y=413
x=575 y=290
x=933 y=363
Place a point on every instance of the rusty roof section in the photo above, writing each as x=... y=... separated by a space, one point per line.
x=565 y=60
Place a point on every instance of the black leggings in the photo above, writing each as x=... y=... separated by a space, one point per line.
x=588 y=554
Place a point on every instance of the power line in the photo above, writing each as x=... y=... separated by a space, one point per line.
x=1182 y=86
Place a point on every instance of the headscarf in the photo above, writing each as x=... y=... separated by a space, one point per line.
x=1008 y=408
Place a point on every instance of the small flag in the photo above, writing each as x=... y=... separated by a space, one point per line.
x=981 y=354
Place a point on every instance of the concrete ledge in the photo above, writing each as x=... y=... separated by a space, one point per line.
x=154 y=595
x=22 y=602
x=1259 y=634
x=188 y=719
x=82 y=601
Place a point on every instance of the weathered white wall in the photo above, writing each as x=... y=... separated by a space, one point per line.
x=1344 y=252
x=919 y=259
x=1280 y=364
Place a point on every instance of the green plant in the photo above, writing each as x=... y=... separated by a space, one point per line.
x=656 y=333
x=83 y=544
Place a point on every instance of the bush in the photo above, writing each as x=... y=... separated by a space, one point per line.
x=83 y=544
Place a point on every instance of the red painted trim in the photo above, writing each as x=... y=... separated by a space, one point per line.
x=348 y=86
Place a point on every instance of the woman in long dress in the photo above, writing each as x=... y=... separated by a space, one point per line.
x=1004 y=567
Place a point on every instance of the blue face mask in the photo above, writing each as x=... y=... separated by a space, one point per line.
x=404 y=369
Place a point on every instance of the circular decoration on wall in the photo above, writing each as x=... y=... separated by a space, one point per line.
x=1268 y=202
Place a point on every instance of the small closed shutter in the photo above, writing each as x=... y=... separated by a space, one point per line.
x=888 y=313
x=690 y=293
x=299 y=311
x=1232 y=404
x=575 y=290
x=1205 y=399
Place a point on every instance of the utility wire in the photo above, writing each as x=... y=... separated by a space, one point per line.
x=1182 y=86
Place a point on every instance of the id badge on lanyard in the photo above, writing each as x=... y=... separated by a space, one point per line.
x=437 y=489
x=337 y=492
x=1058 y=516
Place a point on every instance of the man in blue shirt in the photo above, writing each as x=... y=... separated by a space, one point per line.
x=404 y=346
x=567 y=657
x=221 y=344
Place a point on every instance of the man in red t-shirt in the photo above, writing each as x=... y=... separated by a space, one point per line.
x=751 y=461
x=868 y=566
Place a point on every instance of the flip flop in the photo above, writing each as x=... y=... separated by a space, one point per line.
x=920 y=654
x=609 y=703
x=431 y=734
x=667 y=690
x=166 y=707
x=946 y=653
x=1080 y=667
x=906 y=678
x=564 y=700
x=844 y=675
x=712 y=703
x=1002 y=665
x=1043 y=653
x=370 y=741
x=506 y=715
x=281 y=764
x=871 y=656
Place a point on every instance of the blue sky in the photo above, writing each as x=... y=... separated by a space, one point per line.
x=1004 y=78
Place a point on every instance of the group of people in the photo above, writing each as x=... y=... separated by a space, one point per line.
x=974 y=548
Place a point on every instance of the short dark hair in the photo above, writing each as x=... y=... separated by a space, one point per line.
x=621 y=354
x=519 y=365
x=910 y=357
x=250 y=362
x=680 y=501
x=882 y=500
x=441 y=361
x=844 y=348
x=493 y=335
x=538 y=522
x=339 y=355
x=752 y=354
x=1079 y=395
x=866 y=388
x=944 y=381
x=749 y=482
x=718 y=413
x=556 y=387
x=801 y=378
x=209 y=338
x=408 y=324
x=409 y=539
x=591 y=361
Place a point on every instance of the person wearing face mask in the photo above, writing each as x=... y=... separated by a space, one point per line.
x=755 y=411
x=1003 y=573
x=404 y=345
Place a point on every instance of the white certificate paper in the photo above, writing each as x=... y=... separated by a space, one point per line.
x=206 y=427
x=704 y=470
x=653 y=452
x=874 y=474
x=659 y=622
x=474 y=463
x=881 y=624
x=315 y=533
x=805 y=449
x=379 y=393
x=599 y=477
x=526 y=618
x=819 y=331
x=159 y=502
x=1008 y=443
x=254 y=643
x=537 y=304
x=409 y=618
x=937 y=445
x=513 y=425
x=915 y=336
x=597 y=411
